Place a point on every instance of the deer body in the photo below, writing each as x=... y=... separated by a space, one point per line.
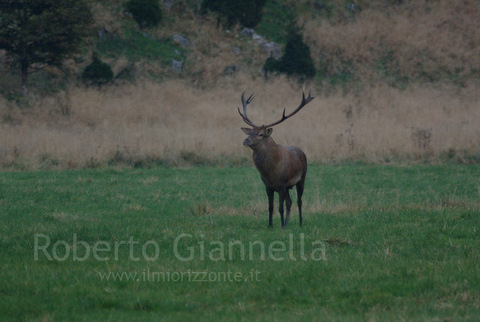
x=281 y=167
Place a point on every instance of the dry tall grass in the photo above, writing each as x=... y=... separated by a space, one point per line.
x=174 y=120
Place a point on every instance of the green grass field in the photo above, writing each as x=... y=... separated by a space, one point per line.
x=378 y=243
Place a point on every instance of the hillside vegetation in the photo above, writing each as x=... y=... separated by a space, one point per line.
x=395 y=81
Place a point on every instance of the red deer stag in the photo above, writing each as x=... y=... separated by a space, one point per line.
x=281 y=167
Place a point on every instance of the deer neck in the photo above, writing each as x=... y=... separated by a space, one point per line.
x=265 y=155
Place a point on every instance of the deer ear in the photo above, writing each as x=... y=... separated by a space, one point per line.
x=247 y=130
x=268 y=131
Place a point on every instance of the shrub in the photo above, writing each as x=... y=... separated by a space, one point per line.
x=147 y=13
x=97 y=73
x=296 y=61
x=246 y=12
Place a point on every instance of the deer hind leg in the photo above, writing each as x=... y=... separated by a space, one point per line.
x=299 y=198
x=281 y=195
x=288 y=202
x=270 y=195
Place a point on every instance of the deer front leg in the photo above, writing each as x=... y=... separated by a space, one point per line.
x=270 y=195
x=288 y=201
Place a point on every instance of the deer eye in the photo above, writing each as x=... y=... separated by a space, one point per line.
x=260 y=134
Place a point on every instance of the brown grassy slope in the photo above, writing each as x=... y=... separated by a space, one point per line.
x=419 y=40
x=194 y=116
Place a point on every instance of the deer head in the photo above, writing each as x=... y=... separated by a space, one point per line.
x=258 y=135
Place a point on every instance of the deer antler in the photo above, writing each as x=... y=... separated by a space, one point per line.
x=244 y=115
x=304 y=102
